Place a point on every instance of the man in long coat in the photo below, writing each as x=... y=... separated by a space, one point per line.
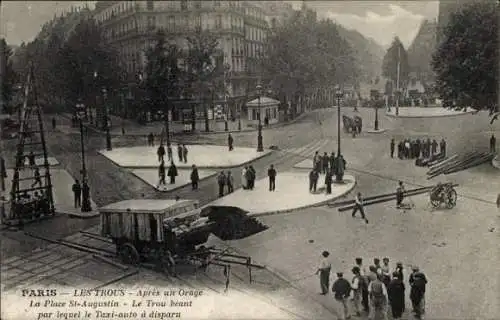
x=396 y=293
x=195 y=178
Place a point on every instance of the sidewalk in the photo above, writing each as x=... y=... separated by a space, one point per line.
x=63 y=196
x=292 y=193
x=133 y=128
x=203 y=156
x=419 y=112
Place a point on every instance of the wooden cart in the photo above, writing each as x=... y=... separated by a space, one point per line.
x=154 y=230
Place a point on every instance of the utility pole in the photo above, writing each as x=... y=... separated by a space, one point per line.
x=397 y=79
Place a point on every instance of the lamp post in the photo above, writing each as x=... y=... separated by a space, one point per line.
x=397 y=101
x=339 y=174
x=374 y=96
x=80 y=112
x=260 y=147
x=106 y=119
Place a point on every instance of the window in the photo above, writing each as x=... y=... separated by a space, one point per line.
x=197 y=5
x=218 y=22
x=184 y=5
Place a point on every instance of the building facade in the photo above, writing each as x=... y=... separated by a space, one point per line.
x=241 y=28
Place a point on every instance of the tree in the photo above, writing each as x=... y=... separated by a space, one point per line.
x=396 y=54
x=163 y=75
x=466 y=62
x=304 y=55
x=8 y=77
x=204 y=67
x=86 y=65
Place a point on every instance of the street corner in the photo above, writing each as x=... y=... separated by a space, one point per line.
x=203 y=156
x=496 y=162
x=150 y=176
x=292 y=193
x=432 y=112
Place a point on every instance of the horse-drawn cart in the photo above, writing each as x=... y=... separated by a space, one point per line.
x=166 y=231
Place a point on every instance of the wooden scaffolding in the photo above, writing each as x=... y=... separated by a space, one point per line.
x=31 y=195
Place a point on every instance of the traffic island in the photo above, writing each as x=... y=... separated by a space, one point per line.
x=292 y=193
x=62 y=182
x=420 y=112
x=376 y=131
x=203 y=156
x=150 y=176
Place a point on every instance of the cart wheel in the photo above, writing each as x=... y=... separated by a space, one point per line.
x=451 y=199
x=129 y=254
x=435 y=202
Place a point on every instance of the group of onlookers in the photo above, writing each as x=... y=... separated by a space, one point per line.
x=327 y=165
x=414 y=149
x=375 y=290
x=182 y=153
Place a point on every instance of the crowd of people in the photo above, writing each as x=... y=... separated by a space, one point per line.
x=327 y=165
x=374 y=291
x=414 y=149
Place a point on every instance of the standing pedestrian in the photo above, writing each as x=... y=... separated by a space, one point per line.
x=493 y=143
x=324 y=162
x=169 y=152
x=434 y=146
x=324 y=268
x=332 y=162
x=313 y=180
x=77 y=193
x=342 y=289
x=328 y=181
x=230 y=141
x=418 y=282
x=161 y=174
x=221 y=181
x=386 y=272
x=396 y=295
x=244 y=181
x=399 y=270
x=151 y=139
x=271 y=173
x=400 y=192
x=364 y=284
x=442 y=147
x=185 y=153
x=357 y=289
x=428 y=146
x=195 y=177
x=378 y=268
x=358 y=206
x=161 y=153
x=179 y=152
x=229 y=182
x=378 y=299
x=317 y=162
x=393 y=144
x=172 y=172
x=418 y=147
x=53 y=123
x=253 y=176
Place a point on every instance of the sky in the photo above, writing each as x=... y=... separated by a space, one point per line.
x=379 y=20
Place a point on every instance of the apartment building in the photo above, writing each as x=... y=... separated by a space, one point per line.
x=240 y=26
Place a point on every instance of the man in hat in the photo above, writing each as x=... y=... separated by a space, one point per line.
x=400 y=191
x=378 y=299
x=342 y=289
x=358 y=206
x=418 y=282
x=324 y=272
x=357 y=289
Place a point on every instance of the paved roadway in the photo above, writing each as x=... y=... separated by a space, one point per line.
x=447 y=245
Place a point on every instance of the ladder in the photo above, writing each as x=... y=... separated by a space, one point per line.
x=31 y=195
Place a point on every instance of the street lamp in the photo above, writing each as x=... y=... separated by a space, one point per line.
x=375 y=96
x=106 y=119
x=397 y=101
x=86 y=206
x=260 y=147
x=339 y=94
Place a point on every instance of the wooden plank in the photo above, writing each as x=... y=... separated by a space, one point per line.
x=392 y=194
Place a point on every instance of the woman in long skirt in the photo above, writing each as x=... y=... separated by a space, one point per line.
x=244 y=182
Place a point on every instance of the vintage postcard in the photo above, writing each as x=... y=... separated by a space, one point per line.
x=249 y=160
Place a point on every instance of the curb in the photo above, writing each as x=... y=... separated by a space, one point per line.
x=173 y=189
x=187 y=168
x=318 y=204
x=280 y=125
x=392 y=115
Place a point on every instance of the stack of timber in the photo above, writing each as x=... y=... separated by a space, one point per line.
x=350 y=204
x=423 y=162
x=459 y=163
